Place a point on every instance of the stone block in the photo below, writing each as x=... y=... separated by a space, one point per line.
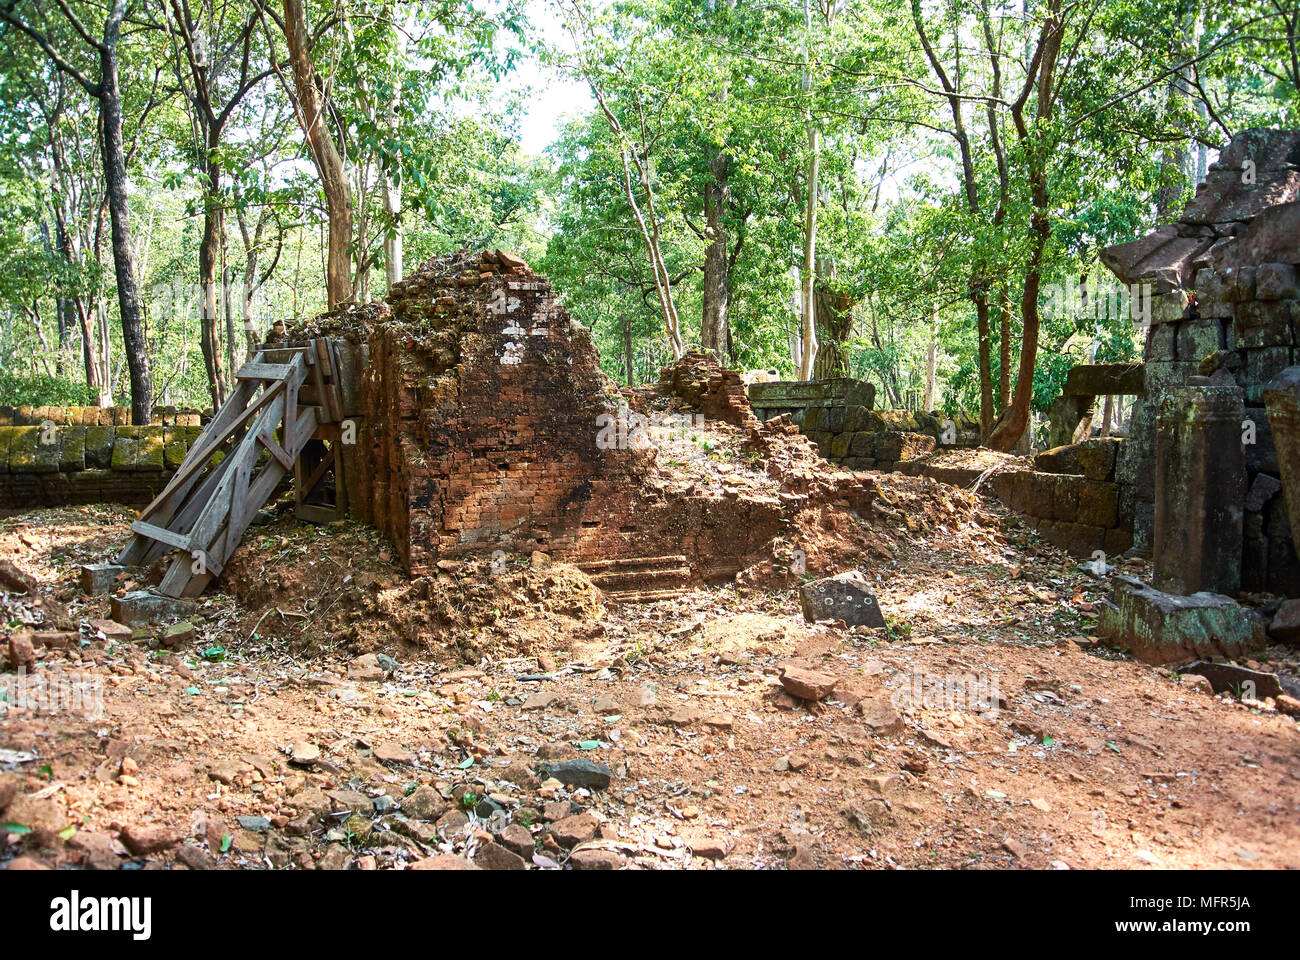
x=1212 y=295
x=1262 y=323
x=1162 y=377
x=140 y=607
x=1065 y=497
x=1197 y=339
x=1161 y=342
x=1261 y=367
x=1275 y=281
x=845 y=596
x=1200 y=485
x=98 y=442
x=1098 y=503
x=1159 y=628
x=1169 y=307
x=99 y=578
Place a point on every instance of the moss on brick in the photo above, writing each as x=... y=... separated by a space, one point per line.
x=28 y=455
x=98 y=443
x=73 y=455
x=123 y=450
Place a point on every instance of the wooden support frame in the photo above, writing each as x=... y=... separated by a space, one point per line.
x=202 y=513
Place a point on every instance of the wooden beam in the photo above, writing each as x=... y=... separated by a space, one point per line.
x=263 y=371
x=161 y=534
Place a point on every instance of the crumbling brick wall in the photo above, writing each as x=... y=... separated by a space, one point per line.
x=483 y=403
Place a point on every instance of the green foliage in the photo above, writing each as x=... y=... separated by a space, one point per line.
x=41 y=390
x=712 y=97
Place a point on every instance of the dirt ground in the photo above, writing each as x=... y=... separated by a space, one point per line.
x=282 y=734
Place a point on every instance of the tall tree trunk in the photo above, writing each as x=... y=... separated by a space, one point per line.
x=128 y=294
x=984 y=332
x=714 y=330
x=209 y=256
x=227 y=302
x=250 y=289
x=808 y=309
x=627 y=351
x=1015 y=418
x=1004 y=349
x=931 y=361
x=60 y=301
x=392 y=184
x=325 y=155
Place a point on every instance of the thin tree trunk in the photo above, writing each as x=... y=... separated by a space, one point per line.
x=209 y=255
x=714 y=329
x=128 y=294
x=325 y=155
x=627 y=351
x=931 y=361
x=392 y=185
x=808 y=352
x=1004 y=350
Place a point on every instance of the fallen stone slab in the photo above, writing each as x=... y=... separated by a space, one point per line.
x=144 y=840
x=845 y=596
x=55 y=639
x=579 y=772
x=592 y=858
x=177 y=634
x=1160 y=628
x=574 y=830
x=494 y=856
x=98 y=579
x=444 y=861
x=1239 y=681
x=806 y=684
x=140 y=607
x=111 y=629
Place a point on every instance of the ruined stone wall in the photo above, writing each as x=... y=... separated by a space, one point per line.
x=1070 y=494
x=96 y=416
x=60 y=465
x=482 y=406
x=1225 y=312
x=1071 y=497
x=837 y=416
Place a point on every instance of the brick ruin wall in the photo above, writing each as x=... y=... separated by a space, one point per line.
x=482 y=402
x=1224 y=305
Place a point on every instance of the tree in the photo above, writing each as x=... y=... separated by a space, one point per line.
x=106 y=91
x=215 y=72
x=311 y=102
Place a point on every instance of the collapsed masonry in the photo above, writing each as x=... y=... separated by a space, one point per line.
x=1213 y=439
x=484 y=423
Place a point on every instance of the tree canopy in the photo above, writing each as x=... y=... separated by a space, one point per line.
x=894 y=192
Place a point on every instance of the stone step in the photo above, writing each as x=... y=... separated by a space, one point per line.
x=640 y=579
x=593 y=566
